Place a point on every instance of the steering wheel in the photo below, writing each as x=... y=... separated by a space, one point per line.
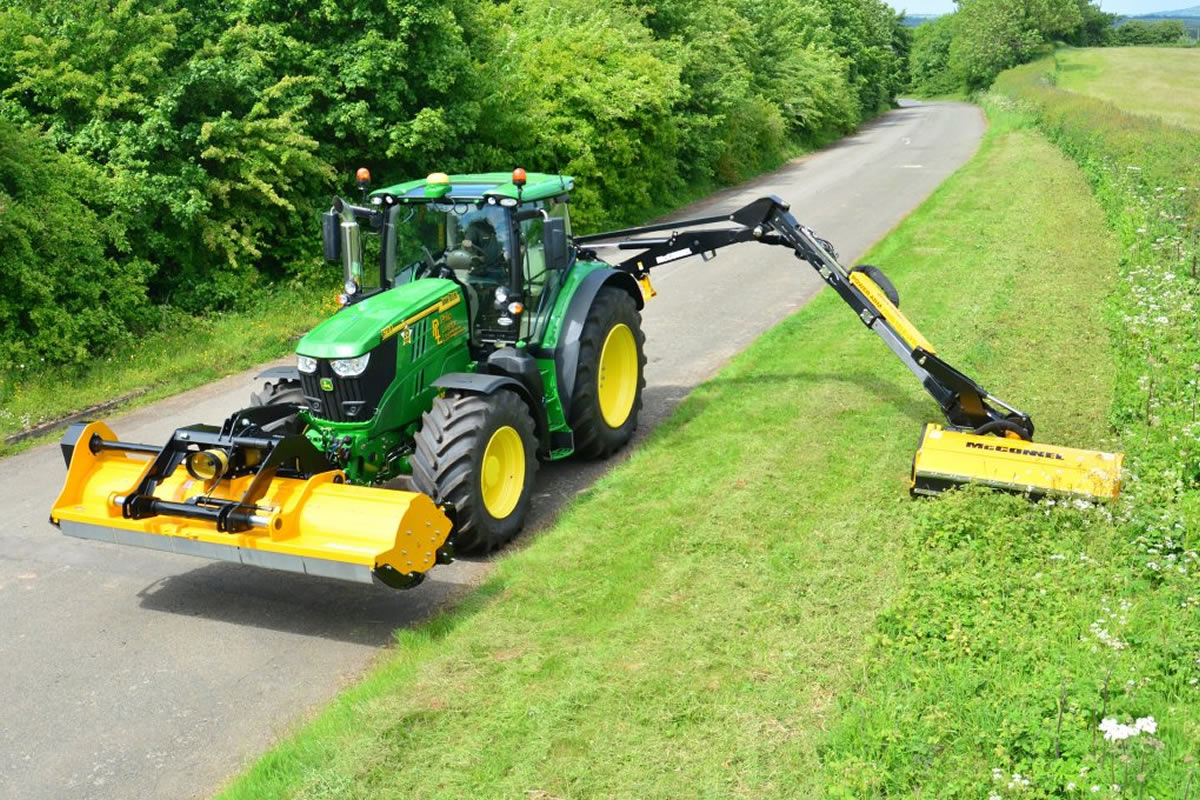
x=432 y=266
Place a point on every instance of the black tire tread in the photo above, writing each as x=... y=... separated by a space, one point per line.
x=282 y=391
x=444 y=463
x=593 y=437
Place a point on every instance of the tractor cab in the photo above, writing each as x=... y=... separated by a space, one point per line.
x=501 y=238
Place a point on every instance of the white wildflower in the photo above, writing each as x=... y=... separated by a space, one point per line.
x=1117 y=731
x=1146 y=724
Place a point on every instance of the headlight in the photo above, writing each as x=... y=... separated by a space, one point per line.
x=349 y=367
x=306 y=364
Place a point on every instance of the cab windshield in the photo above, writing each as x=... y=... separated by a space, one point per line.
x=467 y=237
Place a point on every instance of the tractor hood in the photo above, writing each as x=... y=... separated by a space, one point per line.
x=359 y=328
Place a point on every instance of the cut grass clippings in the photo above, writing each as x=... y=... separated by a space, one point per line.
x=687 y=627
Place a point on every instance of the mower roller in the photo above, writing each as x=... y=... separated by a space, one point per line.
x=476 y=337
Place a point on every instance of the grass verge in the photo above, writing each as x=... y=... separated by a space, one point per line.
x=1051 y=651
x=187 y=352
x=687 y=626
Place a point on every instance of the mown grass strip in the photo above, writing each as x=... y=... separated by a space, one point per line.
x=685 y=629
x=1051 y=651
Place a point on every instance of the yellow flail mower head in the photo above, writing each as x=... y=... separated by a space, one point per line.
x=986 y=440
x=239 y=493
x=947 y=458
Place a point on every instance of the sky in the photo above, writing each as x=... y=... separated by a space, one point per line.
x=1114 y=6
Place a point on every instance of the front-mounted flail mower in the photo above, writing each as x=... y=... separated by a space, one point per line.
x=476 y=337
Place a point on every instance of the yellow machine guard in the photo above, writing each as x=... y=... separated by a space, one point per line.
x=947 y=457
x=318 y=526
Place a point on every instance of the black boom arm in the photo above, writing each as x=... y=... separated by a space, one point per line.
x=768 y=220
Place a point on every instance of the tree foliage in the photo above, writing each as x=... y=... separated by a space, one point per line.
x=1140 y=31
x=929 y=61
x=966 y=50
x=209 y=134
x=70 y=291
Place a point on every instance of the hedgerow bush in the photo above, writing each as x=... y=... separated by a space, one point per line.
x=70 y=293
x=218 y=130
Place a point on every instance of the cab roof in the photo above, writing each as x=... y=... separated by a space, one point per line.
x=480 y=186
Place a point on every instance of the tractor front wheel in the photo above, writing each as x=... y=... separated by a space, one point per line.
x=609 y=377
x=285 y=390
x=477 y=453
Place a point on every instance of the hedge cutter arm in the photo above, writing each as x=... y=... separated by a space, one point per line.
x=959 y=453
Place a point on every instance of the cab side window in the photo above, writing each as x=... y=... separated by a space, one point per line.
x=533 y=254
x=541 y=285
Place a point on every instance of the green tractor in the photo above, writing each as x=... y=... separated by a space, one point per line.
x=477 y=337
x=470 y=344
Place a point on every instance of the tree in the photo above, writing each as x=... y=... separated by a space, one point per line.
x=68 y=297
x=929 y=61
x=993 y=35
x=1096 y=29
x=1142 y=32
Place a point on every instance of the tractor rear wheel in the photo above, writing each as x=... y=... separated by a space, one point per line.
x=477 y=453
x=284 y=390
x=610 y=375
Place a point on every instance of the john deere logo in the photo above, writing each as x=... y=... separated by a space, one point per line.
x=327 y=384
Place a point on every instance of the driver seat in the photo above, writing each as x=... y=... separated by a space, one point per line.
x=464 y=277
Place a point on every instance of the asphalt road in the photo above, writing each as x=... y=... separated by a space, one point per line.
x=133 y=673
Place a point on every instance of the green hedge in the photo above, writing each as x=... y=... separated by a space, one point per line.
x=69 y=285
x=215 y=131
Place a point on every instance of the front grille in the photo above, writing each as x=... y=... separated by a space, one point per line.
x=352 y=399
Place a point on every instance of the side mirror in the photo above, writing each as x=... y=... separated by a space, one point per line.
x=331 y=234
x=554 y=240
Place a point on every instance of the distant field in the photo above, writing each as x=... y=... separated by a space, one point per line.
x=1156 y=81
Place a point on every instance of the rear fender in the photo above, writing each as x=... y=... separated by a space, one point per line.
x=566 y=354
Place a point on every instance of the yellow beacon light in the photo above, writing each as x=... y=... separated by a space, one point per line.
x=437 y=185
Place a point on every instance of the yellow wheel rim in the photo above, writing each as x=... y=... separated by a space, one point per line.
x=617 y=384
x=502 y=473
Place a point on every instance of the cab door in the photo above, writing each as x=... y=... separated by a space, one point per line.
x=540 y=283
